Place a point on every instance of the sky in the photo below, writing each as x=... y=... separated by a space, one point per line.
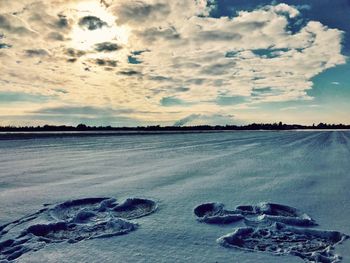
x=184 y=62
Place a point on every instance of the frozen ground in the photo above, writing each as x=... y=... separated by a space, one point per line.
x=307 y=170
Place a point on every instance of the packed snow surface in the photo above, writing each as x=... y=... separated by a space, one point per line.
x=199 y=197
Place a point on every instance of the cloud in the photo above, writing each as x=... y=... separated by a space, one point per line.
x=290 y=11
x=226 y=101
x=82 y=110
x=218 y=68
x=150 y=35
x=187 y=120
x=182 y=89
x=134 y=60
x=159 y=78
x=173 y=101
x=62 y=21
x=106 y=62
x=303 y=7
x=136 y=11
x=168 y=53
x=56 y=36
x=68 y=119
x=36 y=52
x=213 y=35
x=130 y=73
x=253 y=50
x=4 y=45
x=74 y=52
x=14 y=97
x=107 y=47
x=205 y=119
x=91 y=22
x=13 y=25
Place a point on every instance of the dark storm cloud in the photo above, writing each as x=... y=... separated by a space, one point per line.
x=139 y=11
x=107 y=47
x=91 y=22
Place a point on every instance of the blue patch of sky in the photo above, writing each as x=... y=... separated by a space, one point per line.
x=173 y=101
x=269 y=53
x=9 y=97
x=134 y=60
x=230 y=54
x=261 y=91
x=4 y=45
x=325 y=90
x=230 y=100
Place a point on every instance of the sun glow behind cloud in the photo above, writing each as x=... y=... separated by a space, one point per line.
x=85 y=39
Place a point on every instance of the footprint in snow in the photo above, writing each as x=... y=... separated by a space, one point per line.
x=273 y=228
x=71 y=221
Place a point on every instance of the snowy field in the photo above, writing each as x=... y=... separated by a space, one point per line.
x=168 y=175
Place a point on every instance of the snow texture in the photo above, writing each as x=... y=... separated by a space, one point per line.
x=308 y=170
x=268 y=231
x=279 y=239
x=71 y=221
x=214 y=213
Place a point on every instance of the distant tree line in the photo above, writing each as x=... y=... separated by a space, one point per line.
x=253 y=126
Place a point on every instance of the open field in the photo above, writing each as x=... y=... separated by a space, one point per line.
x=307 y=170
